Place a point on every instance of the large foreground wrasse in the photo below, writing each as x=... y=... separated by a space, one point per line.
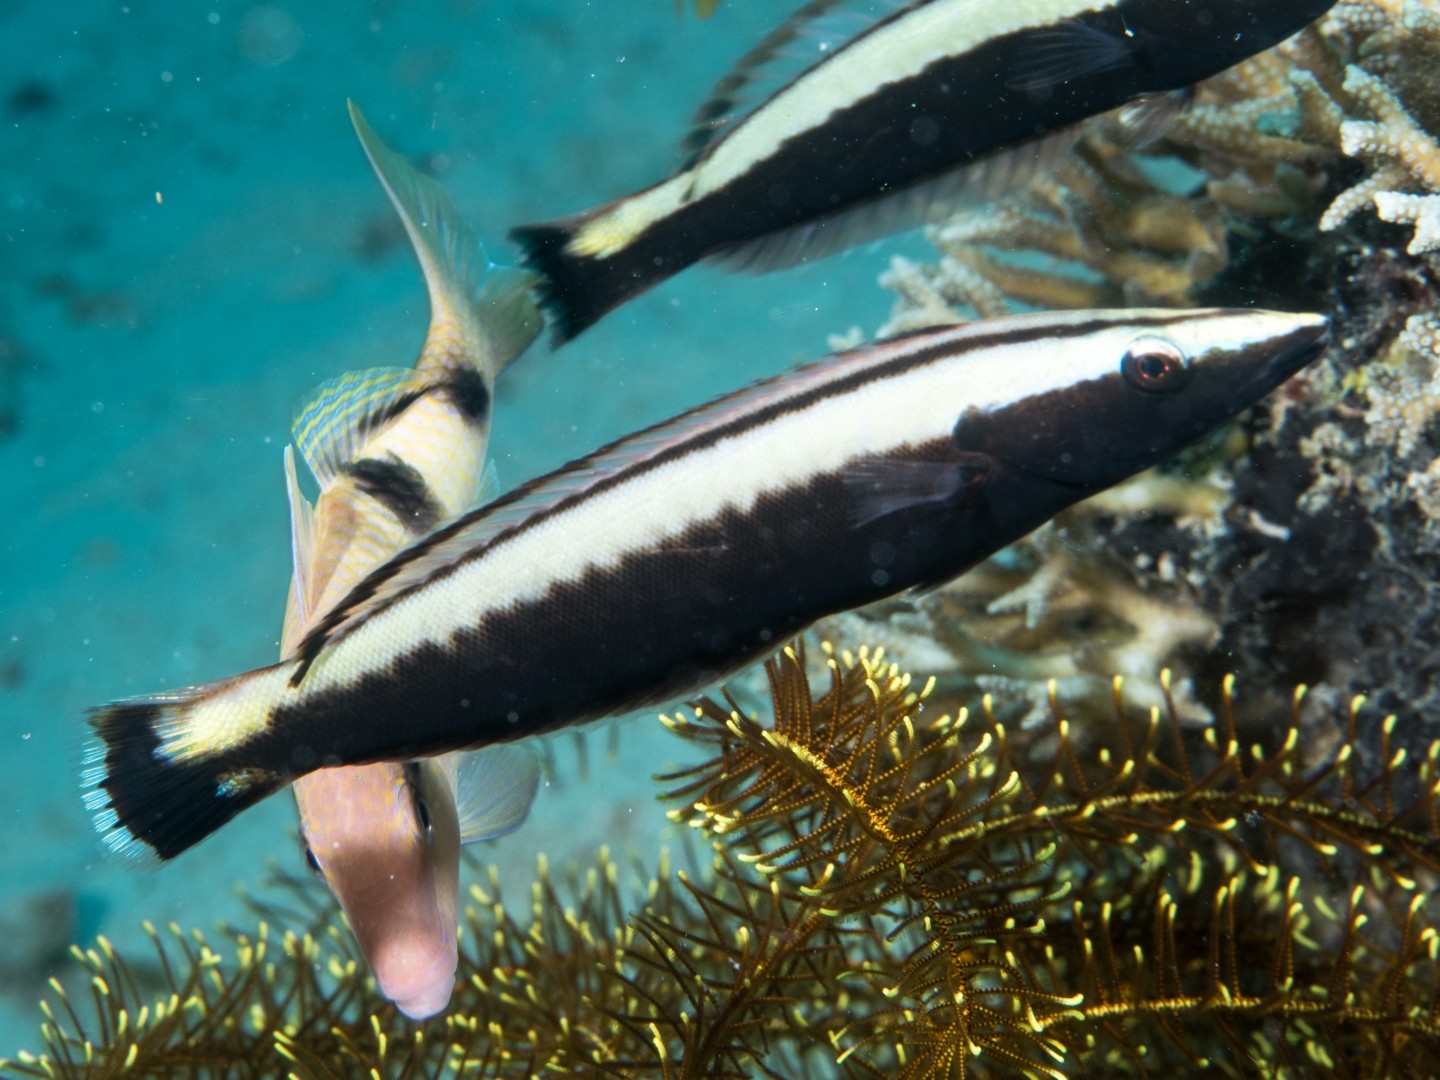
x=396 y=453
x=672 y=557
x=858 y=118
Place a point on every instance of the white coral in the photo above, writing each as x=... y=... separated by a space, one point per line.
x=1422 y=211
x=1403 y=153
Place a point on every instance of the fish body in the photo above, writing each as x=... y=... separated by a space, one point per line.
x=930 y=102
x=396 y=453
x=668 y=559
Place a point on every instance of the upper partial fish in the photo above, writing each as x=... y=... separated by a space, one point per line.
x=858 y=118
x=667 y=559
x=398 y=452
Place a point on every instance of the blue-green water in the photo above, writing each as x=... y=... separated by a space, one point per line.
x=190 y=238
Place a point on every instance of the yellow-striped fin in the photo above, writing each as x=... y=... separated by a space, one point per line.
x=343 y=413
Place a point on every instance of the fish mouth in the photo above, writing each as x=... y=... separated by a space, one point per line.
x=427 y=1001
x=1296 y=351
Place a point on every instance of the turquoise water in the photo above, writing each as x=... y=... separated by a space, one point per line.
x=190 y=239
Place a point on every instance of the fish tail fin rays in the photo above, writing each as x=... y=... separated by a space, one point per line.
x=481 y=314
x=574 y=290
x=159 y=775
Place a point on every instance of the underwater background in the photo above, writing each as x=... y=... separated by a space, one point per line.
x=192 y=239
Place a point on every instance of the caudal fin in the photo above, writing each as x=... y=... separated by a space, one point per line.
x=577 y=290
x=483 y=309
x=149 y=804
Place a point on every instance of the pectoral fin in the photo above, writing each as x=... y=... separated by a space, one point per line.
x=1069 y=50
x=494 y=789
x=879 y=487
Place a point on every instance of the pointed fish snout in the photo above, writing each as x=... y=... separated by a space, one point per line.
x=1294 y=350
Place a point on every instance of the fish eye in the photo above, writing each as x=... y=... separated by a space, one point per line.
x=311 y=861
x=422 y=808
x=1154 y=366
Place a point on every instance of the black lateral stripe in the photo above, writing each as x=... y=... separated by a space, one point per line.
x=920 y=356
x=400 y=489
x=958 y=110
x=666 y=620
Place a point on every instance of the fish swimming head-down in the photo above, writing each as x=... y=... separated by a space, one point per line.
x=672 y=557
x=386 y=838
x=397 y=452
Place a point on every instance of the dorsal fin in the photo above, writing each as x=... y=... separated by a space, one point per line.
x=925 y=203
x=302 y=550
x=806 y=38
x=342 y=414
x=472 y=533
x=487 y=307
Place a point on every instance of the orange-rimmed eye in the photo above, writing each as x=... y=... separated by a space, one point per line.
x=1154 y=366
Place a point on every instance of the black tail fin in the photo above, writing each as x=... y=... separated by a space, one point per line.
x=577 y=290
x=148 y=806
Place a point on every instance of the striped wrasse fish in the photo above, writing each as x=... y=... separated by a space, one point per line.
x=670 y=558
x=397 y=452
x=859 y=118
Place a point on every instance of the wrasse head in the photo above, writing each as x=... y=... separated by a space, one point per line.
x=1139 y=386
x=1230 y=31
x=386 y=839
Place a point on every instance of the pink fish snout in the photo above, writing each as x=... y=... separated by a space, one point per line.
x=419 y=981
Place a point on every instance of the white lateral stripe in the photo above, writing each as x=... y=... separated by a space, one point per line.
x=890 y=53
x=912 y=404
x=598 y=532
x=893 y=52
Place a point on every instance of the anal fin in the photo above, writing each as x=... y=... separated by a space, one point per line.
x=925 y=202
